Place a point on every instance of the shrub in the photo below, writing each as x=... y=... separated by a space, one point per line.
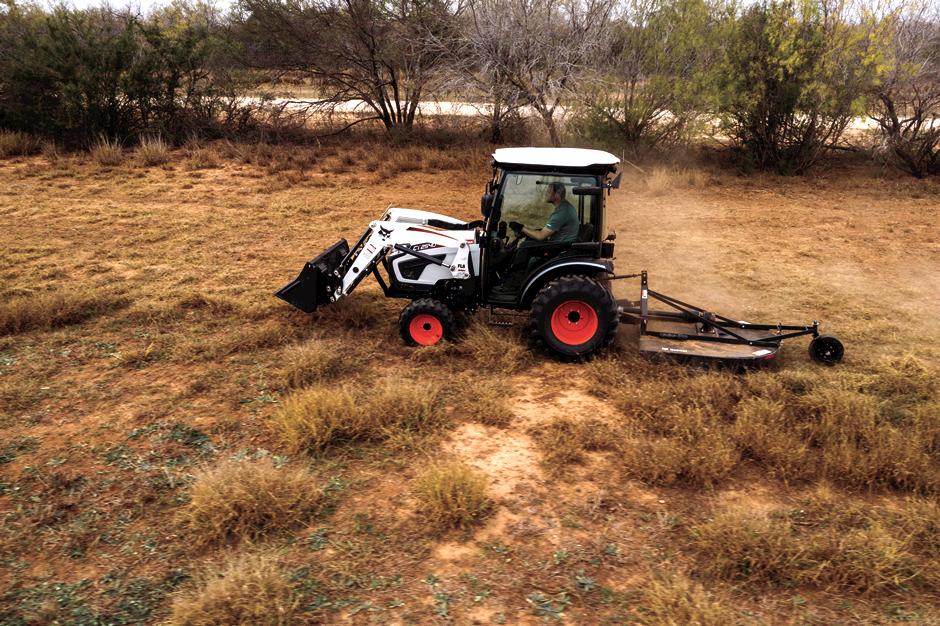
x=17 y=144
x=659 y=77
x=54 y=309
x=453 y=496
x=107 y=152
x=153 y=151
x=794 y=76
x=247 y=590
x=245 y=500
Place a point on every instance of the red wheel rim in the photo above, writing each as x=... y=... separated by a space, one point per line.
x=574 y=322
x=426 y=329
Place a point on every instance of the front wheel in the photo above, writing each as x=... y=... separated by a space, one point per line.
x=425 y=322
x=573 y=317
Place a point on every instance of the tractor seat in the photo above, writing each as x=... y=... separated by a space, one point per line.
x=586 y=232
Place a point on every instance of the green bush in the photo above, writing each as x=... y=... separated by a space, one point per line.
x=794 y=76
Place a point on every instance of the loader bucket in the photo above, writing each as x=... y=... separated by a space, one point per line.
x=309 y=289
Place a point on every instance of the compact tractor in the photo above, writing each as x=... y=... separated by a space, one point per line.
x=542 y=248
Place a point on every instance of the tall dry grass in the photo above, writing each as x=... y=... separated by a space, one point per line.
x=52 y=309
x=830 y=543
x=675 y=600
x=319 y=417
x=875 y=428
x=153 y=151
x=17 y=144
x=245 y=500
x=315 y=361
x=107 y=152
x=453 y=496
x=247 y=590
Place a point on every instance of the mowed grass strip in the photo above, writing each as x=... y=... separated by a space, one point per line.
x=246 y=500
x=248 y=589
x=43 y=311
x=453 y=495
x=316 y=418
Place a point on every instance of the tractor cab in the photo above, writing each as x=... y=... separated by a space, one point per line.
x=544 y=216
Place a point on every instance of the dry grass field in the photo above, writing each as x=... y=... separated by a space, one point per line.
x=178 y=446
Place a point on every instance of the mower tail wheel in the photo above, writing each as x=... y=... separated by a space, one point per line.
x=573 y=317
x=826 y=349
x=425 y=322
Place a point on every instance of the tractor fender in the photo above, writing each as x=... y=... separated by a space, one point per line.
x=562 y=267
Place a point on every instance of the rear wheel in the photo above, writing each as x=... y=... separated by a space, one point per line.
x=426 y=322
x=573 y=317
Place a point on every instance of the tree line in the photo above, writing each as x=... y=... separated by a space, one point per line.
x=779 y=81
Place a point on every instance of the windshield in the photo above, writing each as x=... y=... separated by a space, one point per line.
x=526 y=199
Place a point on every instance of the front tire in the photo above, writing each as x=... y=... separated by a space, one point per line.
x=426 y=322
x=573 y=317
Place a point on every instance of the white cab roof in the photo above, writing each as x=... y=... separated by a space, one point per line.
x=554 y=157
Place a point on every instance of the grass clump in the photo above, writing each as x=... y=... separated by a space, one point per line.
x=17 y=144
x=43 y=311
x=245 y=500
x=314 y=361
x=675 y=600
x=489 y=406
x=319 y=417
x=564 y=441
x=453 y=496
x=107 y=152
x=493 y=349
x=153 y=151
x=248 y=590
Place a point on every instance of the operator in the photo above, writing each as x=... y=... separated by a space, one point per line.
x=562 y=225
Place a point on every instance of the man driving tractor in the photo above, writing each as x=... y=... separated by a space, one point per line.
x=562 y=225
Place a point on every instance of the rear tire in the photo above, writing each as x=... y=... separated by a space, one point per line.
x=426 y=322
x=573 y=317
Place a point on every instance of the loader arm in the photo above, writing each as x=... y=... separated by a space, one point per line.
x=337 y=271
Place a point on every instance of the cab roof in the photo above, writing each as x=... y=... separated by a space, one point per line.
x=556 y=159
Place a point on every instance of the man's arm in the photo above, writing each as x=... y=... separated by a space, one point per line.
x=539 y=235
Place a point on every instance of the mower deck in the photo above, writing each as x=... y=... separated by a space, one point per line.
x=687 y=330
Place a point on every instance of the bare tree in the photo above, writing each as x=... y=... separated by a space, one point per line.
x=535 y=51
x=369 y=51
x=908 y=99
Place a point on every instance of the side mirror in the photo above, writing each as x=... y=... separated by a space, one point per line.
x=486 y=204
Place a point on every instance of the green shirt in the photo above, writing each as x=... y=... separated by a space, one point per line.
x=564 y=222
